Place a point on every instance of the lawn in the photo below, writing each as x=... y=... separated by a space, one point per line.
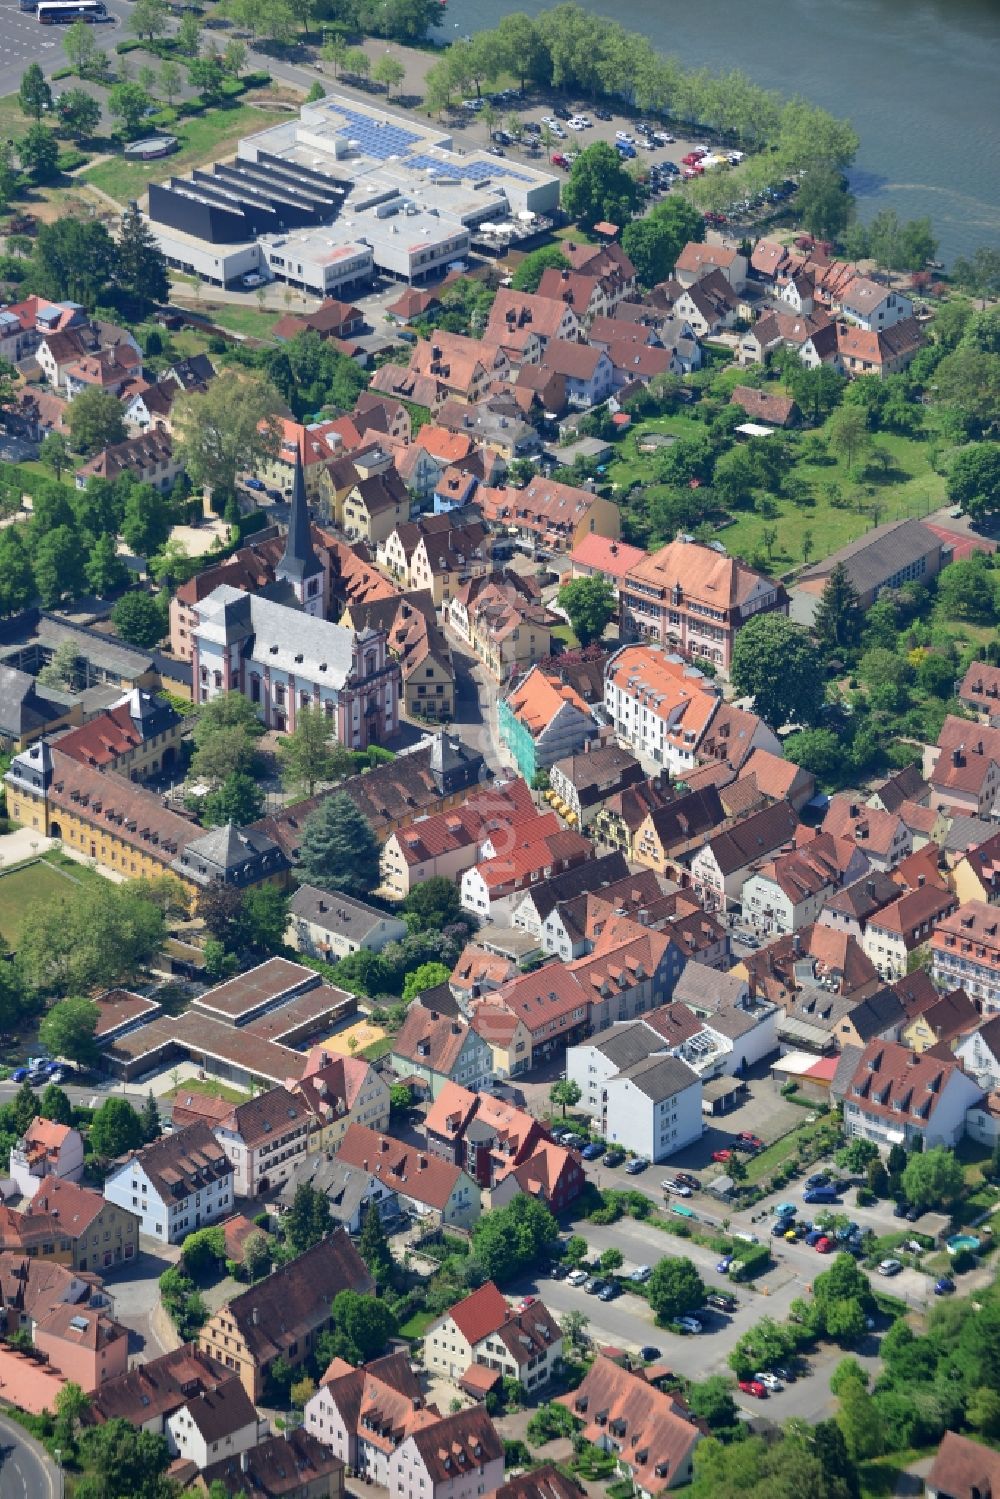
x=203 y=139
x=377 y=1049
x=629 y=465
x=910 y=487
x=249 y=321
x=761 y=1166
x=417 y=1325
x=12 y=122
x=24 y=887
x=208 y=1086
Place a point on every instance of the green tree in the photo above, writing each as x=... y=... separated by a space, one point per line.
x=859 y=1422
x=819 y=751
x=58 y=566
x=204 y=1251
x=147 y=519
x=94 y=936
x=105 y=571
x=361 y=1328
x=590 y=604
x=115 y=1129
x=599 y=188
x=837 y=625
x=80 y=47
x=654 y=242
x=823 y=202
x=856 y=1155
x=373 y=1247
x=150 y=1117
x=338 y=849
x=389 y=71
x=674 y=1288
x=565 y=1093
x=34 y=96
x=308 y=754
x=427 y=976
x=54 y=1104
x=967 y=589
x=227 y=429
x=171 y=80
x=308 y=1220
x=256 y=1255
x=265 y=918
x=234 y=58
x=776 y=663
x=140 y=270
x=148 y=19
x=95 y=420
x=534 y=265
x=933 y=1178
x=139 y=619
x=38 y=151
x=712 y=1400
x=120 y=1459
x=847 y=433
x=68 y=1030
x=127 y=103
x=979 y=273
x=63 y=670
x=612 y=1259
x=433 y=905
x=974 y=479
x=54 y=452
x=512 y=1239
x=239 y=800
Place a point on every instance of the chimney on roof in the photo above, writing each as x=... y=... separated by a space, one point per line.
x=921 y=880
x=255 y=1316
x=957 y=758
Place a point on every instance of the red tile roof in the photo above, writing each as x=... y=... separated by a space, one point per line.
x=401 y=1167
x=479 y=1315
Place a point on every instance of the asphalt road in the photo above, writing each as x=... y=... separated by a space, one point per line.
x=23 y=40
x=26 y=1472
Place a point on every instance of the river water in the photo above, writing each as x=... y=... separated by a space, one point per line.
x=920 y=79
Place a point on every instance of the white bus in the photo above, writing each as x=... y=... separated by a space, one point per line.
x=65 y=12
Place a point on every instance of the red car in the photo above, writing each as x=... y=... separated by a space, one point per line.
x=824 y=1245
x=558 y=160
x=692 y=156
x=525 y=1302
x=754 y=1141
x=722 y=1155
x=753 y=1387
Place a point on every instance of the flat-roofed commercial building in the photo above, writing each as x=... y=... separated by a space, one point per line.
x=347 y=189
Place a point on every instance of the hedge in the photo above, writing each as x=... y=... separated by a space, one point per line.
x=69 y=159
x=132 y=45
x=231 y=88
x=60 y=74
x=191 y=107
x=165 y=116
x=260 y=79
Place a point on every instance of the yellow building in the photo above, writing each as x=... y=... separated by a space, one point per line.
x=138 y=737
x=373 y=507
x=128 y=830
x=340 y=1091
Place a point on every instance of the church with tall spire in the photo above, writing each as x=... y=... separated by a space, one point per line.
x=299 y=565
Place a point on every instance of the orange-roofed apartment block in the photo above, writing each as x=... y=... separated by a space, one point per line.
x=659 y=704
x=542 y=721
x=694 y=599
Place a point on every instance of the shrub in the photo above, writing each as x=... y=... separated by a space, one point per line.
x=231 y=88
x=132 y=45
x=69 y=159
x=61 y=73
x=260 y=79
x=191 y=107
x=165 y=116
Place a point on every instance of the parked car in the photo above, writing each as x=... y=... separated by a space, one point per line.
x=19 y=1075
x=820 y=1194
x=813 y=1236
x=501 y=138
x=823 y=1245
x=59 y=1076
x=720 y=1302
x=497 y=151
x=603 y=114
x=722 y=1155
x=900 y=1210
x=561 y=112
x=623 y=136
x=687 y=1179
x=944 y=1286
x=889 y=1267
x=253 y=278
x=636 y=1165
x=772 y=1381
x=785 y=1372
x=912 y=1214
x=818 y=1179
x=678 y=1188
x=628 y=153
x=558 y=1271
x=753 y=1387
x=592 y=1151
x=749 y=1138
x=558 y=160
x=689 y=1324
x=593 y=1284
x=641 y=1274
x=647 y=1353
x=255 y=484
x=614 y=1156
x=780 y=1230
x=577 y=1278
x=723 y=1266
x=785 y=1210
x=609 y=1291
x=531 y=127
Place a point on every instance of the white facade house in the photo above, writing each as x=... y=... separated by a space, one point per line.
x=873 y=306
x=330 y=925
x=179 y=1183
x=482 y=1329
x=895 y=1096
x=979 y=1054
x=46 y=1149
x=640 y=1095
x=458 y=1457
x=205 y=1431
x=265 y=1139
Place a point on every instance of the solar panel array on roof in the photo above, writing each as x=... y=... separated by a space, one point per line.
x=468 y=171
x=372 y=137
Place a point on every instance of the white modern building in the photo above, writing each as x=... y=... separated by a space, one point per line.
x=343 y=192
x=641 y=1096
x=179 y=1183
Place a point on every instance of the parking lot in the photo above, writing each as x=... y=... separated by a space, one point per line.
x=23 y=40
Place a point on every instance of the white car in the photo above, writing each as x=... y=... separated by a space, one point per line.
x=577 y=1278
x=623 y=135
x=576 y=124
x=253 y=278
x=890 y=1267
x=641 y=1274
x=689 y=1324
x=678 y=1188
x=770 y=1381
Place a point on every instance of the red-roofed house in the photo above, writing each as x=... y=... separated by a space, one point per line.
x=447 y=843
x=46 y=1149
x=511 y=861
x=892 y=1096
x=542 y=721
x=652 y=1434
x=551 y=1003
x=483 y=1329
x=699 y=260
x=363 y=1414
x=433 y=1188
x=505 y=1149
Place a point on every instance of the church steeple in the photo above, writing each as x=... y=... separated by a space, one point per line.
x=299 y=562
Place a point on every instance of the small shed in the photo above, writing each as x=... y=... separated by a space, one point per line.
x=720 y=1094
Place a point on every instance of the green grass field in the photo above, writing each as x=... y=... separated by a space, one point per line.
x=24 y=887
x=249 y=321
x=629 y=465
x=202 y=139
x=208 y=1086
